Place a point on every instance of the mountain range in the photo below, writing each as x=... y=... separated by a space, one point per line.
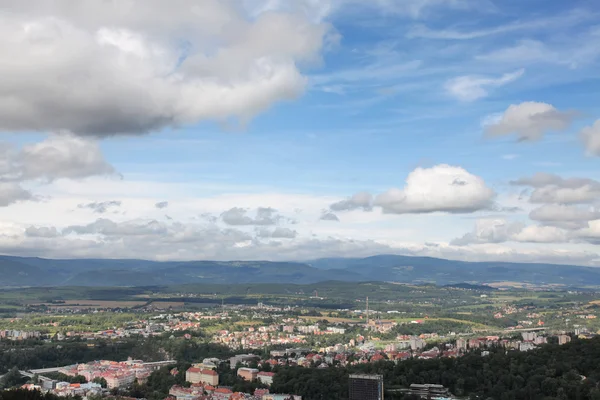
x=29 y=271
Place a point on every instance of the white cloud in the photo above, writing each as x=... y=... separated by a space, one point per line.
x=58 y=156
x=525 y=51
x=361 y=200
x=489 y=231
x=277 y=233
x=107 y=68
x=573 y=50
x=501 y=230
x=471 y=87
x=11 y=192
x=106 y=227
x=238 y=216
x=100 y=207
x=550 y=188
x=43 y=232
x=590 y=135
x=442 y=188
x=418 y=8
x=591 y=233
x=161 y=204
x=563 y=21
x=329 y=216
x=530 y=121
x=62 y=156
x=541 y=234
x=564 y=216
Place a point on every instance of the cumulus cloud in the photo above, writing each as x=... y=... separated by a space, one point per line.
x=42 y=232
x=442 y=188
x=529 y=121
x=470 y=88
x=501 y=230
x=131 y=67
x=277 y=233
x=541 y=234
x=162 y=204
x=489 y=231
x=565 y=216
x=58 y=156
x=239 y=216
x=107 y=227
x=100 y=207
x=361 y=200
x=329 y=216
x=11 y=192
x=63 y=156
x=550 y=188
x=591 y=233
x=590 y=135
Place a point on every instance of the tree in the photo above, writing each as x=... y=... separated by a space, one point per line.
x=11 y=378
x=100 y=381
x=79 y=379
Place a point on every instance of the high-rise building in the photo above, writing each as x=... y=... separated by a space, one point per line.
x=366 y=387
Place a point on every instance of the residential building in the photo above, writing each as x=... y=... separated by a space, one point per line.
x=222 y=394
x=119 y=380
x=202 y=375
x=461 y=344
x=193 y=375
x=417 y=343
x=182 y=393
x=248 y=374
x=242 y=359
x=428 y=391
x=564 y=339
x=526 y=346
x=265 y=377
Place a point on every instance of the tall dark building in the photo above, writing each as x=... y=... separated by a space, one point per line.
x=366 y=387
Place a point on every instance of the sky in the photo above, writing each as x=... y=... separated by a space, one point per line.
x=294 y=130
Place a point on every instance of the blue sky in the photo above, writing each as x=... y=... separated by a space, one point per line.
x=409 y=121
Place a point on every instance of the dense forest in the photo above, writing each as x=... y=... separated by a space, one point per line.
x=569 y=372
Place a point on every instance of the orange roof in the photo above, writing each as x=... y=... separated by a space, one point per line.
x=208 y=372
x=194 y=370
x=223 y=390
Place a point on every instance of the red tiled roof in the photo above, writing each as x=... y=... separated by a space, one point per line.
x=208 y=372
x=194 y=370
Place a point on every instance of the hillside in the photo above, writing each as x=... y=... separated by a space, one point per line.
x=24 y=271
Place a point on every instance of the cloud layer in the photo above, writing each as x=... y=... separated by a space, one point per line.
x=132 y=67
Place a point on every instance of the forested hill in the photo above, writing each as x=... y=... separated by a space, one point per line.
x=553 y=372
x=24 y=271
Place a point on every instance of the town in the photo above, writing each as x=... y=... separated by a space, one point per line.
x=262 y=339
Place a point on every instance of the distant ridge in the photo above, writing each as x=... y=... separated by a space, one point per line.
x=29 y=271
x=469 y=286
